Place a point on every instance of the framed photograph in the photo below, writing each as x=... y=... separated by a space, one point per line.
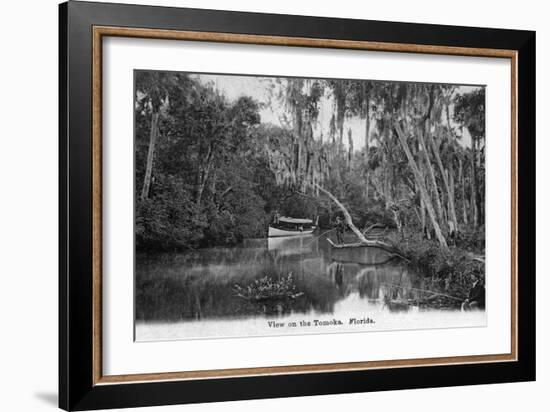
x=257 y=205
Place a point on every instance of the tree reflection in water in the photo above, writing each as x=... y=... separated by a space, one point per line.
x=201 y=284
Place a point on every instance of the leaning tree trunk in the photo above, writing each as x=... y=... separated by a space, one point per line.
x=347 y=216
x=450 y=192
x=431 y=173
x=423 y=191
x=202 y=176
x=462 y=183
x=480 y=189
x=363 y=240
x=350 y=149
x=425 y=232
x=452 y=197
x=367 y=145
x=153 y=133
x=473 y=186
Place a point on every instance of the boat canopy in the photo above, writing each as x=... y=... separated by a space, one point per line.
x=295 y=221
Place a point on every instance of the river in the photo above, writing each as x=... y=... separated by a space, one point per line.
x=193 y=294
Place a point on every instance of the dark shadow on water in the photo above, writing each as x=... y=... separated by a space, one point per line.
x=49 y=398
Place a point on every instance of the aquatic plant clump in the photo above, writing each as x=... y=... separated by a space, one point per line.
x=269 y=288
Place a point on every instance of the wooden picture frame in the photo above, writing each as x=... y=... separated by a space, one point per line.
x=82 y=28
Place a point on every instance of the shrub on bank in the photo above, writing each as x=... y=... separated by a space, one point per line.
x=450 y=271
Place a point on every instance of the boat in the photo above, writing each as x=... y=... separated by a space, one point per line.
x=290 y=226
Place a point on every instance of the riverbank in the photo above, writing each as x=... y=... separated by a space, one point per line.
x=448 y=272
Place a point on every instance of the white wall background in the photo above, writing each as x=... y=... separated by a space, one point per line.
x=28 y=203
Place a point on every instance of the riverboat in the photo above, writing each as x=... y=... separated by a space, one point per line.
x=289 y=226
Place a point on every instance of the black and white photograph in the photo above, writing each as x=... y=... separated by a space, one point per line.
x=283 y=205
x=214 y=206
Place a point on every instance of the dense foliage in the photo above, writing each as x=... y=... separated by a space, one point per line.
x=210 y=172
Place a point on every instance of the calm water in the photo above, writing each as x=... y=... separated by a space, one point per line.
x=192 y=295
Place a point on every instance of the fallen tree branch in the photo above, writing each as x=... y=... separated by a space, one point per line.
x=371 y=243
x=347 y=216
x=351 y=225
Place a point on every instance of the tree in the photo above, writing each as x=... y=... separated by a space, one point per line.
x=208 y=172
x=436 y=95
x=359 y=96
x=469 y=112
x=202 y=175
x=340 y=90
x=153 y=90
x=422 y=187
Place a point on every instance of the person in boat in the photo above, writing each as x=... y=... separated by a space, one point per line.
x=276 y=217
x=476 y=296
x=340 y=229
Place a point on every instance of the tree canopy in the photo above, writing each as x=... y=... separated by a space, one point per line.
x=210 y=171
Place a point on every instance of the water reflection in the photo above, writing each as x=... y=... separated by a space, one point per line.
x=193 y=294
x=200 y=284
